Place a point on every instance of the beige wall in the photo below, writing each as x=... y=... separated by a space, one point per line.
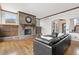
x=67 y=16
x=0 y=17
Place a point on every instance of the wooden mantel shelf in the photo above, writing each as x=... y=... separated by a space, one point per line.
x=28 y=25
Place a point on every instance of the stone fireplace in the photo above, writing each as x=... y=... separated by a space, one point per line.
x=27 y=24
x=26 y=30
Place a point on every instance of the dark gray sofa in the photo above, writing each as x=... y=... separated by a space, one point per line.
x=55 y=46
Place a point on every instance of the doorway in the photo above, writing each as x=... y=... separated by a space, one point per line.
x=64 y=28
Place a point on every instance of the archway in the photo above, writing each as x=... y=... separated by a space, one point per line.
x=59 y=26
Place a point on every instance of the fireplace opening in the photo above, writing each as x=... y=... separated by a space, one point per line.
x=27 y=32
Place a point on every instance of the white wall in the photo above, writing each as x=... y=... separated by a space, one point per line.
x=46 y=23
x=46 y=27
x=37 y=22
x=71 y=25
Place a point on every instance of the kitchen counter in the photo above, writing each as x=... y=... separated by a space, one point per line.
x=74 y=36
x=20 y=37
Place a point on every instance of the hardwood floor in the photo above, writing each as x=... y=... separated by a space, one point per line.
x=16 y=47
x=25 y=47
x=72 y=50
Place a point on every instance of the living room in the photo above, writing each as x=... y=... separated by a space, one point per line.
x=24 y=27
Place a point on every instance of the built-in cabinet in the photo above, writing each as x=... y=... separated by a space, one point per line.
x=38 y=31
x=76 y=28
x=8 y=18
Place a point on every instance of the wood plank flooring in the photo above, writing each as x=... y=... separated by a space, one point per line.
x=16 y=47
x=25 y=47
x=72 y=50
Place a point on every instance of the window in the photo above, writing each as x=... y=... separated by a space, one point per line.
x=76 y=21
x=9 y=17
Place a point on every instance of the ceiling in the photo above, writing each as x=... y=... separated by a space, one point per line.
x=38 y=9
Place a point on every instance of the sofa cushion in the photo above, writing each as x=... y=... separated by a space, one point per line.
x=60 y=34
